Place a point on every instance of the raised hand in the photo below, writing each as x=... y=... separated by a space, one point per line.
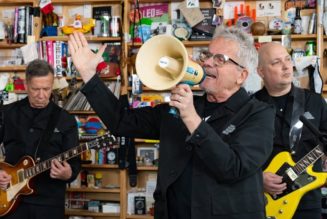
x=84 y=59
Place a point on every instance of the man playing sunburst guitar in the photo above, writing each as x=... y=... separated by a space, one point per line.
x=298 y=185
x=38 y=128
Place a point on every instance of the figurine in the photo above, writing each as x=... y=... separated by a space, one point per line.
x=78 y=26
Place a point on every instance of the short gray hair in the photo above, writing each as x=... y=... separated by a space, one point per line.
x=247 y=53
x=38 y=68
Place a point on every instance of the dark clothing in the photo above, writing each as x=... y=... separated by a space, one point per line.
x=317 y=107
x=32 y=211
x=225 y=153
x=21 y=131
x=314 y=213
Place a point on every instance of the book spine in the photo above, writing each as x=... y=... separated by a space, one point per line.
x=45 y=52
x=49 y=46
x=21 y=34
x=16 y=26
x=58 y=55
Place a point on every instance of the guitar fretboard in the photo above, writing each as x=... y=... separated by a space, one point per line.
x=100 y=142
x=308 y=159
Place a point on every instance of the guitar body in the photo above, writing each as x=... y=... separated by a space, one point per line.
x=283 y=206
x=26 y=169
x=18 y=185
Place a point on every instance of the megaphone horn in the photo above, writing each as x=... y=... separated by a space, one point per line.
x=162 y=62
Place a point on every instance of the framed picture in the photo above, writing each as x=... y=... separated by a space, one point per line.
x=148 y=153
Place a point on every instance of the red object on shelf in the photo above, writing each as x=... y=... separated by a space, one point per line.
x=254 y=14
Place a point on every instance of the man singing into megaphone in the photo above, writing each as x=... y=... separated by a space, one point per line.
x=211 y=156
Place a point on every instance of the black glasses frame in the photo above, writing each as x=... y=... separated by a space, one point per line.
x=205 y=55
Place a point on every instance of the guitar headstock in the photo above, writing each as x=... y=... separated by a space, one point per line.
x=106 y=140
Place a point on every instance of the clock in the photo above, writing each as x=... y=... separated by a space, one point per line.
x=111 y=156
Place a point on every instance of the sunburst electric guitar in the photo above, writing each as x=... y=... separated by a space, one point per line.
x=299 y=178
x=26 y=169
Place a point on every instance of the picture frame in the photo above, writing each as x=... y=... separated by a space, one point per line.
x=148 y=153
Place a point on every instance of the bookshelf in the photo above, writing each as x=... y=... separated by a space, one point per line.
x=297 y=41
x=117 y=175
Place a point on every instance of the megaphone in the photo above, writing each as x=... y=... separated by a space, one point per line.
x=162 y=62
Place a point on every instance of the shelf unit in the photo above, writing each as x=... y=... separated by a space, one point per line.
x=111 y=190
x=298 y=41
x=122 y=175
x=111 y=175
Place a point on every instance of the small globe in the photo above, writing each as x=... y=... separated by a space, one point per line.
x=258 y=28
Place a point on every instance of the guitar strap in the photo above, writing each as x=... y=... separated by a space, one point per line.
x=297 y=111
x=44 y=140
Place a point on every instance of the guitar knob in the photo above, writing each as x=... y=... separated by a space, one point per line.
x=285 y=202
x=280 y=211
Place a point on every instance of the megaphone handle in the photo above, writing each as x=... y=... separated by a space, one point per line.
x=174 y=111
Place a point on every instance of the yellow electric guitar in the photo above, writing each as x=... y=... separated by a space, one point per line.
x=299 y=178
x=26 y=169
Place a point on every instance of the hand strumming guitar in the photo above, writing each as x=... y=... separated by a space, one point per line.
x=4 y=179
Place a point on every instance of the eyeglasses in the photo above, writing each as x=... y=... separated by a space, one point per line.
x=219 y=59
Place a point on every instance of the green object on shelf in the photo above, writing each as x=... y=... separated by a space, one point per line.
x=9 y=87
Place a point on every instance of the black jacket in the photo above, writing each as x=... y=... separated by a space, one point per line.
x=228 y=151
x=317 y=107
x=21 y=131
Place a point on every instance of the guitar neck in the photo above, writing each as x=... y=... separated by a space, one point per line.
x=308 y=159
x=73 y=152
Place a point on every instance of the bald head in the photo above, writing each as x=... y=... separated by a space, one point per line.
x=275 y=68
x=268 y=50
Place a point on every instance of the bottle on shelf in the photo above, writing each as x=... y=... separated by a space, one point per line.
x=297 y=21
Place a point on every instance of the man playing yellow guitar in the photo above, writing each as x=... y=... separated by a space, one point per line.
x=291 y=186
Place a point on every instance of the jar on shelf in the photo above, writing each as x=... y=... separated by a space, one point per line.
x=115 y=27
x=98 y=179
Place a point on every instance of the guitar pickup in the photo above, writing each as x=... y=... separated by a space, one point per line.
x=291 y=174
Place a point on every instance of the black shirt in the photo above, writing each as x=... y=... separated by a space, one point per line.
x=316 y=106
x=181 y=190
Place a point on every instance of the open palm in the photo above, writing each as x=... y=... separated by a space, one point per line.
x=84 y=59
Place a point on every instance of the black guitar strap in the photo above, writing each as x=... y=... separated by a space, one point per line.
x=296 y=125
x=47 y=133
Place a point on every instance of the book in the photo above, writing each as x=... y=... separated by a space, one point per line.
x=112 y=56
x=21 y=25
x=98 y=11
x=205 y=26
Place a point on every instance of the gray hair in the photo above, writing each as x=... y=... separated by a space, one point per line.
x=247 y=53
x=38 y=68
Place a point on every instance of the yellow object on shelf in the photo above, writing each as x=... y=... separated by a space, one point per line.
x=78 y=26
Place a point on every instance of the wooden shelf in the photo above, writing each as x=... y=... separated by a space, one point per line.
x=148 y=168
x=293 y=37
x=324 y=88
x=81 y=112
x=4 y=45
x=12 y=68
x=70 y=2
x=274 y=37
x=89 y=38
x=103 y=78
x=16 y=2
x=134 y=216
x=19 y=92
x=93 y=190
x=186 y=43
x=100 y=166
x=81 y=212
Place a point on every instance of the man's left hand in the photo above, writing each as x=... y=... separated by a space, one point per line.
x=60 y=170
